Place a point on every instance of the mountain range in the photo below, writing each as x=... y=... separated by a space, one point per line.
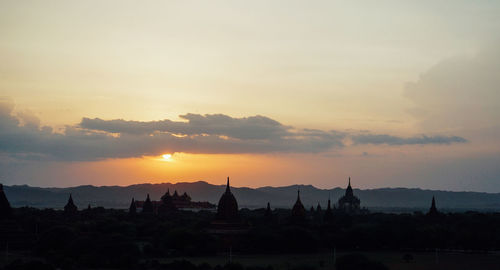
x=381 y=199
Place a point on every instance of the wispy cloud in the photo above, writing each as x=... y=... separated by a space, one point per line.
x=394 y=140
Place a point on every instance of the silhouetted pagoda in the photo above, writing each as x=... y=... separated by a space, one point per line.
x=318 y=208
x=268 y=210
x=349 y=203
x=70 y=207
x=433 y=210
x=298 y=210
x=227 y=220
x=147 y=207
x=227 y=224
x=5 y=209
x=227 y=209
x=183 y=201
x=167 y=195
x=166 y=204
x=328 y=217
x=132 y=210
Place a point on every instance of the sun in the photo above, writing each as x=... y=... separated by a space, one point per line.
x=167 y=157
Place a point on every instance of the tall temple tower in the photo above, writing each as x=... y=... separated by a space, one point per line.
x=70 y=207
x=328 y=217
x=227 y=208
x=132 y=210
x=147 y=207
x=349 y=203
x=298 y=210
x=227 y=221
x=433 y=210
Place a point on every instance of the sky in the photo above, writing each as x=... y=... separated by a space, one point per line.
x=270 y=93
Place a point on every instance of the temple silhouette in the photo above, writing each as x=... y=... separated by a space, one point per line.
x=298 y=210
x=328 y=216
x=168 y=203
x=227 y=209
x=349 y=203
x=70 y=207
x=433 y=212
x=227 y=218
x=152 y=231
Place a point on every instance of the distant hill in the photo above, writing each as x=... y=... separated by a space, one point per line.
x=382 y=199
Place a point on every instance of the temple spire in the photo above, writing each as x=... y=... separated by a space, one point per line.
x=133 y=207
x=318 y=208
x=349 y=202
x=298 y=210
x=70 y=207
x=433 y=210
x=227 y=208
x=147 y=207
x=268 y=210
x=328 y=217
x=348 y=191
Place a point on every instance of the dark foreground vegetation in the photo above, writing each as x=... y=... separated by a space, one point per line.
x=105 y=238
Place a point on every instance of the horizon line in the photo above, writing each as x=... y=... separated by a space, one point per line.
x=255 y=188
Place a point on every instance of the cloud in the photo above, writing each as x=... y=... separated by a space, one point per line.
x=459 y=93
x=393 y=140
x=95 y=139
x=247 y=128
x=22 y=137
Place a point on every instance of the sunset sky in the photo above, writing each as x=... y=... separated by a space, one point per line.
x=391 y=93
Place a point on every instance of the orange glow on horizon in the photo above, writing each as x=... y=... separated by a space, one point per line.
x=245 y=170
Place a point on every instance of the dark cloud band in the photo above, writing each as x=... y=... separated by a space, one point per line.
x=95 y=139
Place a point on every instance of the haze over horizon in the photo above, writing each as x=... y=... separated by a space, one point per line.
x=393 y=94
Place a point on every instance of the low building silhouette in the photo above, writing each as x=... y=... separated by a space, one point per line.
x=169 y=203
